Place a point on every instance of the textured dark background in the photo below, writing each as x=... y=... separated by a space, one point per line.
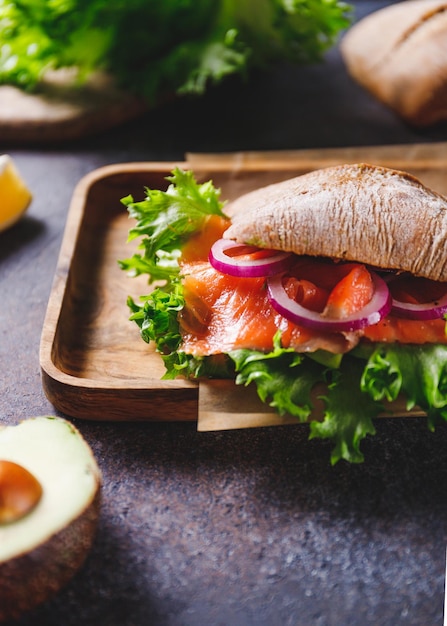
x=236 y=528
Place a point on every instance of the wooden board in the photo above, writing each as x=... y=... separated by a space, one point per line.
x=62 y=110
x=94 y=364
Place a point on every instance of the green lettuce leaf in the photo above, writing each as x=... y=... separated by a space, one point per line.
x=285 y=380
x=348 y=413
x=156 y=316
x=155 y=48
x=164 y=222
x=419 y=372
x=283 y=377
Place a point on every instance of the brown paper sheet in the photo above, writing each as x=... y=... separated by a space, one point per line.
x=225 y=406
x=423 y=156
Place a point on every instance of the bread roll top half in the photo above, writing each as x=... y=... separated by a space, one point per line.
x=356 y=212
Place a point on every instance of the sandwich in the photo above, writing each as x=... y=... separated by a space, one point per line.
x=333 y=280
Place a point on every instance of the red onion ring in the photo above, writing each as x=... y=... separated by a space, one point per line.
x=377 y=308
x=424 y=311
x=274 y=263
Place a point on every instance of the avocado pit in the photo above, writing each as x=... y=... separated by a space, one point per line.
x=20 y=491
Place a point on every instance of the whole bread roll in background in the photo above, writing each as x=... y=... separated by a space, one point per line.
x=399 y=54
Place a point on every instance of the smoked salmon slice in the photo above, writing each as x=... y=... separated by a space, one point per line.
x=351 y=294
x=224 y=313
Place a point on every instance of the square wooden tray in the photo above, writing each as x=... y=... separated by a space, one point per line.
x=94 y=364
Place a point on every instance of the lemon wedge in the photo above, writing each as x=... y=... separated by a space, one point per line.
x=15 y=196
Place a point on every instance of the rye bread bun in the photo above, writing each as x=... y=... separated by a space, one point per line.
x=356 y=212
x=399 y=54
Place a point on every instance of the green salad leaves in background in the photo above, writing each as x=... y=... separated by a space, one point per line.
x=356 y=385
x=157 y=47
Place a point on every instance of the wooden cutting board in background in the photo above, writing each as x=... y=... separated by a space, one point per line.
x=64 y=111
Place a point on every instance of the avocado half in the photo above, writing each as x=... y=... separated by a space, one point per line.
x=50 y=488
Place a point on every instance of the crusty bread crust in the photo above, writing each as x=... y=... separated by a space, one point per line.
x=399 y=53
x=358 y=212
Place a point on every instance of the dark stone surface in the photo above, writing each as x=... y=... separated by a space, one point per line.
x=247 y=527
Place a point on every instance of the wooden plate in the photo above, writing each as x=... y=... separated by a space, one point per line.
x=94 y=364
x=62 y=110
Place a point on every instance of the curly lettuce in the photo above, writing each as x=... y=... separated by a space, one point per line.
x=418 y=372
x=164 y=222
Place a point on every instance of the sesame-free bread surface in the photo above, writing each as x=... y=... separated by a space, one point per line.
x=399 y=54
x=358 y=212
